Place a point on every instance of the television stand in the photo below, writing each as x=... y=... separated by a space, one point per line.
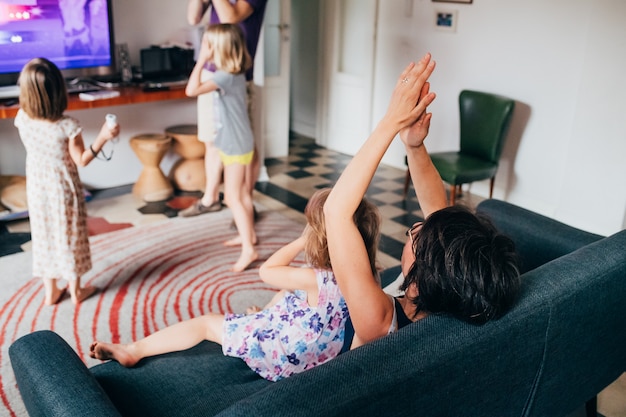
x=132 y=94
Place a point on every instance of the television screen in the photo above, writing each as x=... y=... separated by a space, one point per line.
x=77 y=35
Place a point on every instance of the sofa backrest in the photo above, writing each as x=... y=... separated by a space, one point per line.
x=438 y=366
x=538 y=239
x=586 y=346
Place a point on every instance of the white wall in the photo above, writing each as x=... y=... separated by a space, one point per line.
x=141 y=23
x=562 y=61
x=304 y=66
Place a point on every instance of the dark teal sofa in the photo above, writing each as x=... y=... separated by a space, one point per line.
x=561 y=344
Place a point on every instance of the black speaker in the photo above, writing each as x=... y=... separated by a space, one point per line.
x=182 y=60
x=163 y=62
x=124 y=66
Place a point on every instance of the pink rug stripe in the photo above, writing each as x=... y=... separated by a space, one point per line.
x=150 y=276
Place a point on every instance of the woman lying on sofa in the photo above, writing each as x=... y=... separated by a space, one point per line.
x=454 y=262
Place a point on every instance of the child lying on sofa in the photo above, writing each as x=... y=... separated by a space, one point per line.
x=302 y=327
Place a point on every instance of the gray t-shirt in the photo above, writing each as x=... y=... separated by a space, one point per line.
x=232 y=124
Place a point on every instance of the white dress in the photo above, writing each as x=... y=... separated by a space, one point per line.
x=56 y=203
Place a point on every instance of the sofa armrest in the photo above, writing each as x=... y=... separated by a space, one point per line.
x=538 y=239
x=53 y=380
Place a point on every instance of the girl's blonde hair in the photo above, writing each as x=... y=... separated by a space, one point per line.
x=229 y=48
x=43 y=94
x=366 y=217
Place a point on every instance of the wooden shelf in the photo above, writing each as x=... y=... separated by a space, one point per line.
x=128 y=95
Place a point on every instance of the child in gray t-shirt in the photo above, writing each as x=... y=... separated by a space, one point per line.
x=224 y=46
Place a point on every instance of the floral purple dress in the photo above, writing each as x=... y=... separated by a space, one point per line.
x=291 y=336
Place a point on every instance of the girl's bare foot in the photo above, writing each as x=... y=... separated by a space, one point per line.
x=245 y=259
x=55 y=297
x=253 y=309
x=83 y=293
x=236 y=241
x=111 y=351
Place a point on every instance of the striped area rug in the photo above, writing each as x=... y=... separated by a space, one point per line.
x=150 y=277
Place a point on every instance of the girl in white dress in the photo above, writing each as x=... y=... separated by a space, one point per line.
x=56 y=203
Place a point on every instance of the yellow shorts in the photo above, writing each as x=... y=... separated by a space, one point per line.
x=245 y=159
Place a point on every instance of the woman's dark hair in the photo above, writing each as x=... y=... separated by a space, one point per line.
x=463 y=267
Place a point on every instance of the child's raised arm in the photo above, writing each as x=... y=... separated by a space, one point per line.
x=277 y=271
x=195 y=85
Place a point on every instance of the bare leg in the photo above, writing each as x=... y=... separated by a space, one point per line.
x=236 y=241
x=252 y=172
x=252 y=175
x=53 y=293
x=240 y=203
x=213 y=171
x=78 y=294
x=177 y=337
x=254 y=169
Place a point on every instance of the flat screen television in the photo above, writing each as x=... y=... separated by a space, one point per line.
x=77 y=35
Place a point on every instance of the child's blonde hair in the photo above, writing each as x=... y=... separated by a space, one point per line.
x=366 y=217
x=229 y=48
x=43 y=94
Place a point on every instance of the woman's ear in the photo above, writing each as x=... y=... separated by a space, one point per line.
x=412 y=291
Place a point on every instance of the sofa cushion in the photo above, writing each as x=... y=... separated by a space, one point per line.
x=199 y=381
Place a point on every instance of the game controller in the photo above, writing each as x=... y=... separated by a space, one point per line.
x=111 y=121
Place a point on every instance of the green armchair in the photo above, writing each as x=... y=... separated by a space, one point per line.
x=485 y=120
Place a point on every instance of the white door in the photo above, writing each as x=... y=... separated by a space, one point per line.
x=275 y=109
x=349 y=48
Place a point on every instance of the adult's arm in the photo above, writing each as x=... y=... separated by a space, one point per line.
x=196 y=9
x=429 y=188
x=232 y=13
x=370 y=308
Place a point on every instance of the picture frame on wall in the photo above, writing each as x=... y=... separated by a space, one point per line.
x=445 y=20
x=453 y=1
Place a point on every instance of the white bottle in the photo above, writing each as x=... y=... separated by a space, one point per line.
x=111 y=121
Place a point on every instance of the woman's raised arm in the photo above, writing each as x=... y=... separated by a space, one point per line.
x=370 y=308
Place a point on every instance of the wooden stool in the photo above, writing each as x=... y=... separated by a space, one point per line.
x=152 y=184
x=188 y=173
